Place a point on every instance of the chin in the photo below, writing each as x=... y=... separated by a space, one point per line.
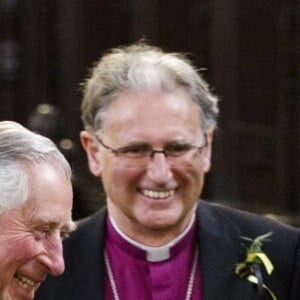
x=16 y=292
x=161 y=221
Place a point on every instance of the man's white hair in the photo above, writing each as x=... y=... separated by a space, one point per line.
x=21 y=148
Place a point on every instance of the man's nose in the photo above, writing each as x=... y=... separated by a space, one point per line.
x=159 y=168
x=54 y=260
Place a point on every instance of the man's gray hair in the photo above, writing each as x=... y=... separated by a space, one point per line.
x=143 y=67
x=21 y=148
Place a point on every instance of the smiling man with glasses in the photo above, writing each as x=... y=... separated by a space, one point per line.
x=149 y=122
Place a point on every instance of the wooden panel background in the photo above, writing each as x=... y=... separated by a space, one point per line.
x=250 y=50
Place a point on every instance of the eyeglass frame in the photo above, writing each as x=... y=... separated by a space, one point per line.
x=151 y=153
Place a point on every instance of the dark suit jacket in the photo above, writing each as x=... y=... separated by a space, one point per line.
x=219 y=232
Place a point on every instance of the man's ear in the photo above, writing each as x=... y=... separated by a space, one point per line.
x=91 y=148
x=208 y=150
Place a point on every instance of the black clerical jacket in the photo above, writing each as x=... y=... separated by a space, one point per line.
x=219 y=237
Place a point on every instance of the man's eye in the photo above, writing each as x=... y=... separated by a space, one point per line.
x=134 y=150
x=42 y=232
x=45 y=231
x=178 y=149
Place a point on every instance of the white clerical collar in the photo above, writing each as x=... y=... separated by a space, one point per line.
x=155 y=254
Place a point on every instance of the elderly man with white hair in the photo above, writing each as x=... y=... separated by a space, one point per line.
x=35 y=210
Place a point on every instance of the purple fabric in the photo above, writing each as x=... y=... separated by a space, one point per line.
x=138 y=279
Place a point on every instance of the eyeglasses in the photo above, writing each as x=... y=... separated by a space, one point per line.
x=141 y=154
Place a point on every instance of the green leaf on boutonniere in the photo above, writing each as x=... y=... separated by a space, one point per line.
x=251 y=268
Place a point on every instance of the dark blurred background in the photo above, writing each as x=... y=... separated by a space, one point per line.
x=250 y=51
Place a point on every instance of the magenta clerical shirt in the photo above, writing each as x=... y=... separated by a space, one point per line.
x=161 y=278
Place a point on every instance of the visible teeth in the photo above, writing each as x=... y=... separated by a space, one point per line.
x=155 y=194
x=25 y=282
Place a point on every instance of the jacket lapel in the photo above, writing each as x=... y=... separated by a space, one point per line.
x=219 y=251
x=86 y=259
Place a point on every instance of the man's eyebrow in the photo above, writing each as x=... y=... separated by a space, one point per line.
x=70 y=225
x=136 y=144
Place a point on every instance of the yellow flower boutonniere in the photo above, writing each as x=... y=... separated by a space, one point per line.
x=251 y=268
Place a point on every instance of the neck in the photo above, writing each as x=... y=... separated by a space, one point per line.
x=145 y=235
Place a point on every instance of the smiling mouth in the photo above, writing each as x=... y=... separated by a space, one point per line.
x=26 y=283
x=157 y=194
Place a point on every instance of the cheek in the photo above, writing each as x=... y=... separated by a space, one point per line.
x=31 y=248
x=13 y=254
x=8 y=262
x=191 y=180
x=197 y=184
x=24 y=249
x=120 y=180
